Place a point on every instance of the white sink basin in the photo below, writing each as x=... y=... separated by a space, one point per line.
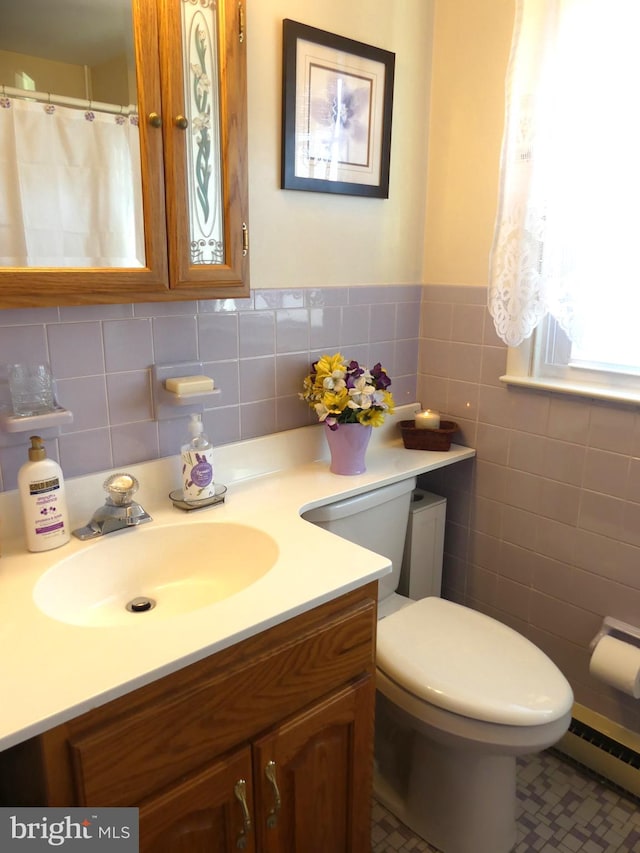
x=181 y=567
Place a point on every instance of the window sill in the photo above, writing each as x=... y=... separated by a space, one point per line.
x=595 y=392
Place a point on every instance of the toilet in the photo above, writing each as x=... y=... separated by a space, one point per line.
x=459 y=694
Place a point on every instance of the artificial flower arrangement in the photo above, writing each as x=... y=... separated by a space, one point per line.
x=342 y=392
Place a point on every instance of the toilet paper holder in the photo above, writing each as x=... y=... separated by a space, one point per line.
x=617 y=628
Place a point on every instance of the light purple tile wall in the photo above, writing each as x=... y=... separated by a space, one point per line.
x=543 y=527
x=258 y=350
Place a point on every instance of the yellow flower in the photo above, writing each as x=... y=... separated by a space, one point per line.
x=336 y=401
x=389 y=402
x=371 y=417
x=330 y=366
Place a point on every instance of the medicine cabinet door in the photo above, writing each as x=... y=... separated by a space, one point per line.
x=202 y=48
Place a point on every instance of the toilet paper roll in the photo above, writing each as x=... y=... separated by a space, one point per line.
x=617 y=663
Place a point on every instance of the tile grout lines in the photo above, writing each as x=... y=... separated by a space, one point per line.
x=562 y=808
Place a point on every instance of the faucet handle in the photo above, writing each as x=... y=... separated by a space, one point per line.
x=118 y=511
x=120 y=488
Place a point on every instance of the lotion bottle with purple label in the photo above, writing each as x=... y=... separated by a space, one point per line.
x=197 y=463
x=42 y=496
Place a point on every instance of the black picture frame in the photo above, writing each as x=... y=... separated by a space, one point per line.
x=337 y=102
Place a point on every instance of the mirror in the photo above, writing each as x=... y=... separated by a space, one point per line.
x=70 y=167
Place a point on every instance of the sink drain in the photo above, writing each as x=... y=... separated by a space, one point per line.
x=140 y=604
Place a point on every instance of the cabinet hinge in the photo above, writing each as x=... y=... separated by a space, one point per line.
x=245 y=239
x=240 y=23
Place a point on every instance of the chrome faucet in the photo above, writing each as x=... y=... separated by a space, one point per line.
x=119 y=510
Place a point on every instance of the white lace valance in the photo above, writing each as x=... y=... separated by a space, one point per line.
x=568 y=220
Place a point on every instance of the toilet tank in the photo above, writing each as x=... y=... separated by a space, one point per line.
x=377 y=520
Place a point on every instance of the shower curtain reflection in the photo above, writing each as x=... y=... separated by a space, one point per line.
x=70 y=187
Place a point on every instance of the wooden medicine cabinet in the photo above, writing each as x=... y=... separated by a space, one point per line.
x=159 y=85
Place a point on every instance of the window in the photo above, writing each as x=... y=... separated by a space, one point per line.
x=565 y=281
x=599 y=368
x=23 y=81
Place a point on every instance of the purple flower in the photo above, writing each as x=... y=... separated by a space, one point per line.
x=380 y=376
x=353 y=372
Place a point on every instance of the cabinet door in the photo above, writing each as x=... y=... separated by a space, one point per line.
x=203 y=58
x=99 y=280
x=312 y=777
x=209 y=811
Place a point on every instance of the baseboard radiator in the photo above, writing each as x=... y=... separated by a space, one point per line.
x=604 y=747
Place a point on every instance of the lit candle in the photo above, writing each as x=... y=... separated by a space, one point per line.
x=429 y=419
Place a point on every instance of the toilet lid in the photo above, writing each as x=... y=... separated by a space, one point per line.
x=466 y=662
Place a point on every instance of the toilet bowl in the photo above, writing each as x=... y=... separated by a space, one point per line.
x=474 y=694
x=459 y=694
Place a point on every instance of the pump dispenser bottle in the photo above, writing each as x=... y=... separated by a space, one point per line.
x=197 y=463
x=42 y=496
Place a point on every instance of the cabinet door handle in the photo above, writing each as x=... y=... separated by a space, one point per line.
x=181 y=122
x=270 y=773
x=155 y=120
x=240 y=791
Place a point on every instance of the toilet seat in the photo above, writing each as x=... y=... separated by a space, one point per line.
x=462 y=661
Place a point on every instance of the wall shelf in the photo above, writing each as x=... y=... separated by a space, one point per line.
x=33 y=423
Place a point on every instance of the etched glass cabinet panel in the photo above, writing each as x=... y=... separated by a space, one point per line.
x=204 y=94
x=202 y=101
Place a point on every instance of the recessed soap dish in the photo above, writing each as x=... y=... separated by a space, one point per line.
x=178 y=500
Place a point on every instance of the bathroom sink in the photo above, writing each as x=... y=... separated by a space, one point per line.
x=164 y=571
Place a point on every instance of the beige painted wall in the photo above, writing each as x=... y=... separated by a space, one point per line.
x=471 y=51
x=111 y=84
x=60 y=78
x=308 y=239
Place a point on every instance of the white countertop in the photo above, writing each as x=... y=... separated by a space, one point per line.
x=51 y=671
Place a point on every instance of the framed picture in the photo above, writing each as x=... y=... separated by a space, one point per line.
x=337 y=98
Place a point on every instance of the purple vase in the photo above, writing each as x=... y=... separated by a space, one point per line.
x=348 y=446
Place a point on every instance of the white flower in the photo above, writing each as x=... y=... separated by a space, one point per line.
x=362 y=393
x=334 y=382
x=321 y=411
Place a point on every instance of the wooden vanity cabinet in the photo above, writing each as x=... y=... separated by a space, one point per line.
x=266 y=746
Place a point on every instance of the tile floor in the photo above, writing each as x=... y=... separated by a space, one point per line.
x=561 y=809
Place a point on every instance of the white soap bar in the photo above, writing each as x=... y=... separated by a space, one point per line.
x=188 y=384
